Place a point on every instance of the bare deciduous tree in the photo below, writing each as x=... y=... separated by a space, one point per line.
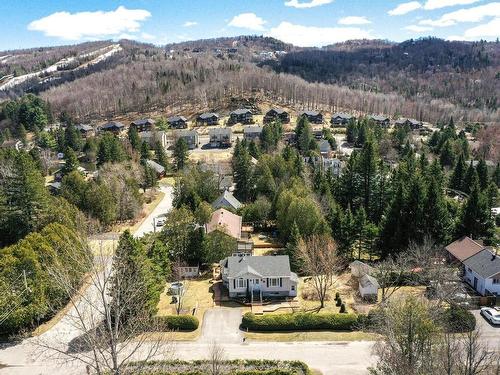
x=92 y=332
x=319 y=256
x=216 y=358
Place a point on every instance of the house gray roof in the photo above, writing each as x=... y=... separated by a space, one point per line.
x=367 y=281
x=220 y=131
x=324 y=146
x=186 y=133
x=263 y=266
x=176 y=118
x=208 y=115
x=310 y=113
x=410 y=120
x=226 y=199
x=484 y=263
x=143 y=121
x=112 y=125
x=252 y=129
x=343 y=115
x=278 y=111
x=157 y=167
x=241 y=111
x=84 y=127
x=379 y=118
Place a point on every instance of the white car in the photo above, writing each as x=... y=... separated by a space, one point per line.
x=491 y=315
x=160 y=222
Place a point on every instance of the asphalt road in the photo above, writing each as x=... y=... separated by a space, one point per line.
x=163 y=207
x=489 y=333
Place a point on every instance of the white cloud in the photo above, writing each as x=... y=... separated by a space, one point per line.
x=248 y=21
x=487 y=31
x=476 y=14
x=418 y=29
x=312 y=36
x=405 y=8
x=88 y=25
x=354 y=20
x=147 y=36
x=310 y=4
x=436 y=4
x=190 y=23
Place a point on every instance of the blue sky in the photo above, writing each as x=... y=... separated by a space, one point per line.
x=32 y=23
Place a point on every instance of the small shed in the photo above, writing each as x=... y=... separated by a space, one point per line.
x=368 y=287
x=359 y=269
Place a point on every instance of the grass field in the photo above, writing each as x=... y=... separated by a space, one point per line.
x=310 y=336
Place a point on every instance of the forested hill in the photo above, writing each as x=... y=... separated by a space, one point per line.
x=106 y=79
x=464 y=73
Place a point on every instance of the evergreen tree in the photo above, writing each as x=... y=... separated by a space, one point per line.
x=180 y=154
x=476 y=220
x=360 y=224
x=304 y=134
x=243 y=175
x=292 y=248
x=71 y=163
x=367 y=166
x=392 y=229
x=145 y=153
x=496 y=175
x=348 y=234
x=134 y=139
x=352 y=132
x=161 y=156
x=437 y=219
x=447 y=156
x=133 y=288
x=457 y=178
x=73 y=138
x=482 y=173
x=254 y=150
x=470 y=178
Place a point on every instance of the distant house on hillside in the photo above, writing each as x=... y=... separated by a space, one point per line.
x=277 y=114
x=143 y=125
x=341 y=119
x=226 y=222
x=242 y=115
x=85 y=130
x=177 y=122
x=412 y=123
x=190 y=136
x=333 y=165
x=207 y=118
x=159 y=169
x=220 y=137
x=114 y=127
x=314 y=117
x=258 y=277
x=226 y=200
x=252 y=132
x=152 y=137
x=380 y=120
x=325 y=149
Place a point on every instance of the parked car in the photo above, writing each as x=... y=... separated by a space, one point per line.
x=491 y=315
x=160 y=222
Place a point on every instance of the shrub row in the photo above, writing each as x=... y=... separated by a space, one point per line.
x=177 y=322
x=300 y=322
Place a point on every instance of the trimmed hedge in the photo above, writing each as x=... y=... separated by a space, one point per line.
x=300 y=322
x=178 y=322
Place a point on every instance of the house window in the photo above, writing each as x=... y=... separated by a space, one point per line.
x=273 y=282
x=241 y=283
x=293 y=287
x=496 y=281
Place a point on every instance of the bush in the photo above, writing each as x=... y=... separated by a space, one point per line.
x=342 y=308
x=337 y=296
x=339 y=302
x=299 y=322
x=178 y=322
x=457 y=319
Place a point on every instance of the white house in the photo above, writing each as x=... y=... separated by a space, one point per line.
x=258 y=276
x=482 y=272
x=368 y=286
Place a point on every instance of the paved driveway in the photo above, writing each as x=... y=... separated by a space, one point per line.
x=162 y=208
x=489 y=333
x=222 y=324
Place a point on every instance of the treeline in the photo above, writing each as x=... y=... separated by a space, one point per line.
x=440 y=69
